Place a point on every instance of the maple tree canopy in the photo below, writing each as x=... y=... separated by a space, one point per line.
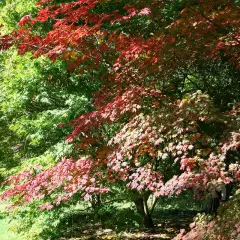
x=160 y=143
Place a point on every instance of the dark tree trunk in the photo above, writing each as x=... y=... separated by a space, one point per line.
x=96 y=201
x=142 y=209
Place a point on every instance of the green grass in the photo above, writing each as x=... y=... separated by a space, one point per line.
x=5 y=233
x=175 y=211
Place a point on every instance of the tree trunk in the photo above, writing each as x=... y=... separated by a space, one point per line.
x=142 y=209
x=96 y=201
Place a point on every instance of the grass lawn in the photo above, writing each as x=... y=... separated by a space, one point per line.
x=4 y=233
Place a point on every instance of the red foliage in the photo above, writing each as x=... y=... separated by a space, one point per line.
x=159 y=137
x=25 y=19
x=66 y=178
x=5 y=42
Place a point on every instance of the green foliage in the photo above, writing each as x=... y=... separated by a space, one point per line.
x=182 y=202
x=218 y=79
x=36 y=97
x=33 y=224
x=119 y=216
x=12 y=11
x=35 y=101
x=7 y=140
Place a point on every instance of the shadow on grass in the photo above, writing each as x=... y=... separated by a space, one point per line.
x=115 y=223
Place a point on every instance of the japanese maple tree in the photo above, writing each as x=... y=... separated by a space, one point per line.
x=159 y=143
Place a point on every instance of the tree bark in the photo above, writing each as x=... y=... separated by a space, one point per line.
x=142 y=209
x=96 y=201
